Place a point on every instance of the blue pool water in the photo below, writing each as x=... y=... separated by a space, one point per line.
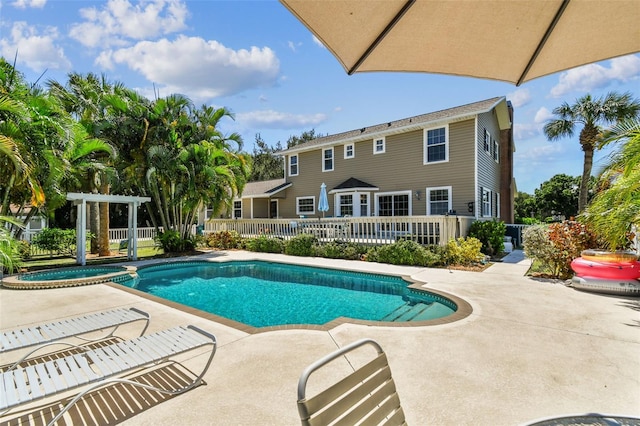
x=264 y=294
x=71 y=273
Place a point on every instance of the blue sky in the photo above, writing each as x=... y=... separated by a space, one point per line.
x=256 y=59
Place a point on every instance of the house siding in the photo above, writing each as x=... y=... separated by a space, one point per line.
x=403 y=152
x=488 y=168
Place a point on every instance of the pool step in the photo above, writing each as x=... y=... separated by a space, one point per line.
x=408 y=312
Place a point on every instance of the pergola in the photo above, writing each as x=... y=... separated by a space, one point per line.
x=81 y=199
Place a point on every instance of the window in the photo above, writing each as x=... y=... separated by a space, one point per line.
x=237 y=209
x=379 y=146
x=346 y=205
x=364 y=204
x=435 y=145
x=349 y=151
x=439 y=200
x=393 y=205
x=208 y=212
x=327 y=159
x=487 y=141
x=496 y=151
x=486 y=202
x=305 y=205
x=293 y=165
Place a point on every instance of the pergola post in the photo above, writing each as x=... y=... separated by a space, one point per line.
x=81 y=232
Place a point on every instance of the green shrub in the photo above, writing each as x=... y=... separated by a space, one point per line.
x=404 y=252
x=491 y=235
x=557 y=244
x=223 y=240
x=340 y=250
x=265 y=244
x=24 y=249
x=301 y=245
x=55 y=240
x=464 y=251
x=171 y=242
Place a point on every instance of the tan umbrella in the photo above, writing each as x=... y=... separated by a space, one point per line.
x=507 y=40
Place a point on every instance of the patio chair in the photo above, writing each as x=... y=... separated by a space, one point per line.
x=99 y=367
x=53 y=333
x=365 y=396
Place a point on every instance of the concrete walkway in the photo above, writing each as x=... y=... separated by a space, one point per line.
x=531 y=349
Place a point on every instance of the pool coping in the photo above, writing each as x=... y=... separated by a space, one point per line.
x=463 y=308
x=14 y=281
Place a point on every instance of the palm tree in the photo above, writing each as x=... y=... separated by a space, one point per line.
x=591 y=114
x=615 y=209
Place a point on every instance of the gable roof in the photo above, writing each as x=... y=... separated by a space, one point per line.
x=353 y=184
x=408 y=124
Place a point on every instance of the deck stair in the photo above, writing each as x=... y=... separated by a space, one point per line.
x=409 y=312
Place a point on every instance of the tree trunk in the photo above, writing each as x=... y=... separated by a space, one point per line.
x=103 y=240
x=94 y=226
x=584 y=183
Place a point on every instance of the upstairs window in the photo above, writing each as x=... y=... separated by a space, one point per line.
x=496 y=151
x=487 y=141
x=379 y=146
x=293 y=165
x=327 y=159
x=436 y=148
x=349 y=151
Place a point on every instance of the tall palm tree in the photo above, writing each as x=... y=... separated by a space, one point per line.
x=591 y=114
x=615 y=209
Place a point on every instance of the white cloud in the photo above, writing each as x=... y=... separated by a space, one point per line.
x=294 y=46
x=317 y=41
x=594 y=76
x=23 y=4
x=198 y=68
x=36 y=49
x=542 y=115
x=525 y=131
x=279 y=120
x=520 y=97
x=119 y=21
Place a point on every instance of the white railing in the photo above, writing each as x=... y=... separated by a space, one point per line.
x=119 y=234
x=366 y=230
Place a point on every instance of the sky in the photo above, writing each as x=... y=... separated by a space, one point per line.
x=256 y=59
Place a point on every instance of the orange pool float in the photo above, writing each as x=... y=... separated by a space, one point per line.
x=609 y=256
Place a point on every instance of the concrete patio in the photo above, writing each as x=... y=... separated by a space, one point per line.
x=530 y=349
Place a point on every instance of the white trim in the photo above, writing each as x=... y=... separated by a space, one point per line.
x=353 y=151
x=496 y=151
x=425 y=146
x=333 y=159
x=298 y=212
x=297 y=164
x=375 y=145
x=498 y=205
x=489 y=203
x=487 y=139
x=277 y=201
x=382 y=194
x=475 y=170
x=439 y=188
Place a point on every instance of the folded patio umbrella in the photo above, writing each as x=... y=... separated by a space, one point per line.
x=507 y=40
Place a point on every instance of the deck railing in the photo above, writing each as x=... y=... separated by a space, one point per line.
x=366 y=230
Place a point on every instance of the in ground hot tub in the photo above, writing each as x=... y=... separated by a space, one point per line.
x=69 y=277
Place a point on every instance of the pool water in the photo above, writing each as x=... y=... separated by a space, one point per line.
x=71 y=273
x=264 y=294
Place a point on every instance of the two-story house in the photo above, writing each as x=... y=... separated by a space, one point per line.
x=457 y=161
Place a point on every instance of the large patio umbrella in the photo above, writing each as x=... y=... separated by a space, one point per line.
x=323 y=201
x=507 y=40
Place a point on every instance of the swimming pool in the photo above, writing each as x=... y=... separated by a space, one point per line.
x=267 y=294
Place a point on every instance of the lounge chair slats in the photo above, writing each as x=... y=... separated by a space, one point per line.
x=366 y=396
x=100 y=366
x=54 y=331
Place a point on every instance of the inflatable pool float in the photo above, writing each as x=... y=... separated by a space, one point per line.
x=603 y=285
x=608 y=270
x=609 y=256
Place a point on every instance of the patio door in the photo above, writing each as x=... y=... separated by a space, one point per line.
x=273 y=209
x=354 y=204
x=393 y=205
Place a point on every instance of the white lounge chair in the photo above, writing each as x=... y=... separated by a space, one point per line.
x=53 y=333
x=366 y=396
x=99 y=367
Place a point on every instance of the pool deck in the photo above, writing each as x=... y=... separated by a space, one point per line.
x=530 y=349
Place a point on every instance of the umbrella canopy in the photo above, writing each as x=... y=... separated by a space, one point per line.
x=507 y=40
x=323 y=201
